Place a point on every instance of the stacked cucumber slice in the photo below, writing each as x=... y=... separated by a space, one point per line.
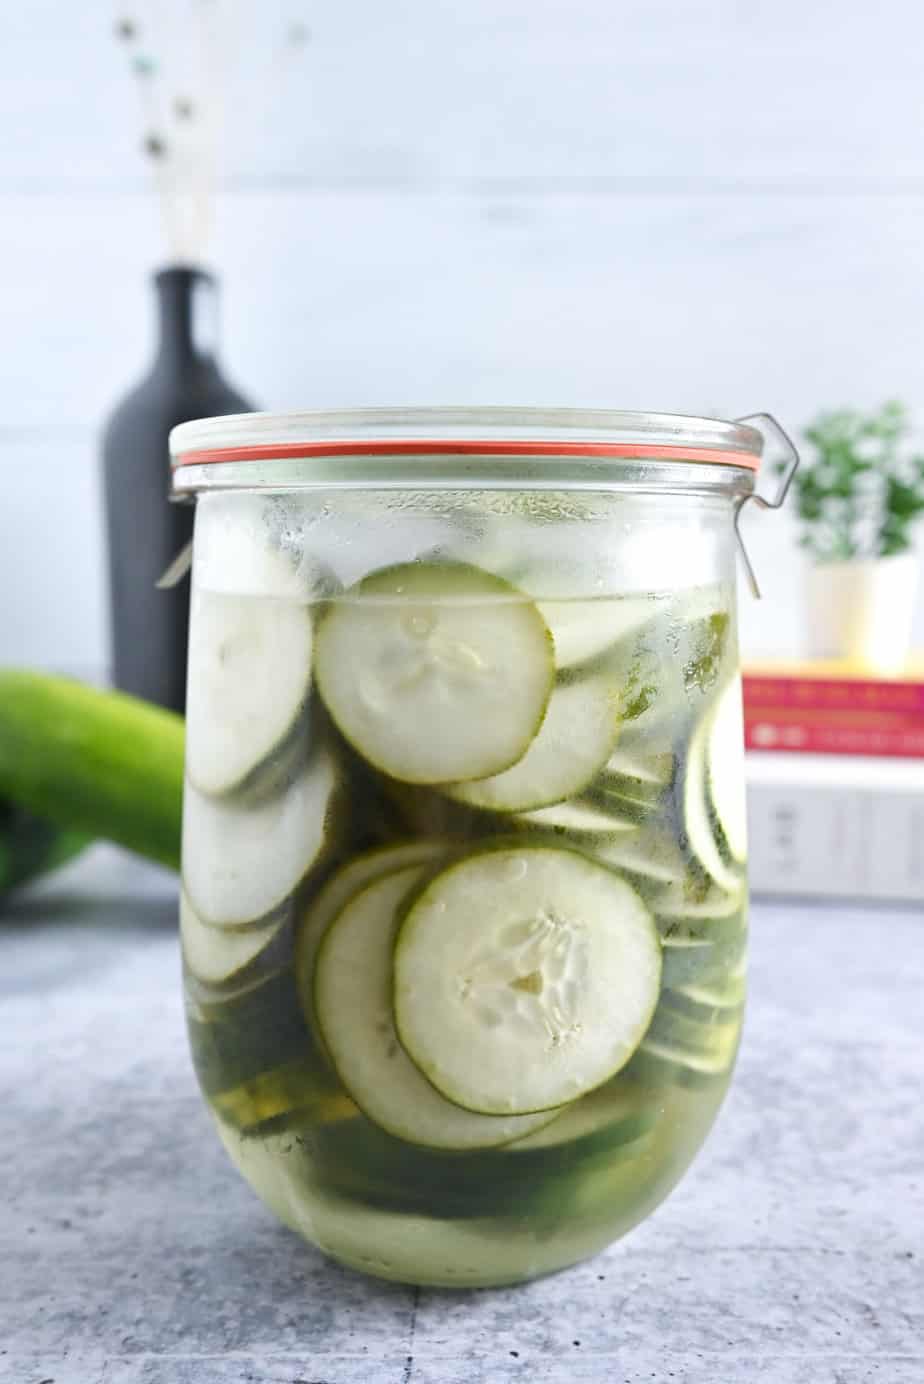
x=252 y=680
x=524 y=978
x=244 y=861
x=353 y=877
x=464 y=1000
x=221 y=955
x=577 y=735
x=261 y=818
x=461 y=869
x=353 y=1003
x=702 y=915
x=435 y=672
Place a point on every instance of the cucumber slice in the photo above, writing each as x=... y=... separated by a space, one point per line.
x=250 y=675
x=582 y=630
x=725 y=769
x=714 y=806
x=375 y=815
x=216 y=956
x=235 y=1038
x=633 y=795
x=281 y=1099
x=691 y=900
x=652 y=770
x=339 y=889
x=435 y=673
x=352 y=1001
x=238 y=550
x=700 y=961
x=241 y=864
x=714 y=914
x=356 y=1160
x=576 y=738
x=695 y=1035
x=624 y=805
x=681 y=1003
x=660 y=1061
x=710 y=996
x=427 y=813
x=616 y=1115
x=698 y=817
x=581 y=819
x=650 y=856
x=524 y=978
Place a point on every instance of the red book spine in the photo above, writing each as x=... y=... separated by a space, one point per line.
x=831 y=716
x=771 y=732
x=852 y=695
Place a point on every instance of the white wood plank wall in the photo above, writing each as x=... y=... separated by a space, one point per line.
x=667 y=204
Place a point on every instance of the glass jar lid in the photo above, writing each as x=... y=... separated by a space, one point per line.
x=445 y=446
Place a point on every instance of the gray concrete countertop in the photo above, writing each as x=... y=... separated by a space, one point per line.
x=130 y=1251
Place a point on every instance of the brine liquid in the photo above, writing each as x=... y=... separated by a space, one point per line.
x=389 y=1206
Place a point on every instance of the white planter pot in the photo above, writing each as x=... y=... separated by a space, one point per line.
x=863 y=611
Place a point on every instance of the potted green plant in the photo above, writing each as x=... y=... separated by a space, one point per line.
x=859 y=492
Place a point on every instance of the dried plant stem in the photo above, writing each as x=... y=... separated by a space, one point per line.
x=180 y=53
x=181 y=148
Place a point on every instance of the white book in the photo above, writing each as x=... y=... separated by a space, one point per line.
x=836 y=827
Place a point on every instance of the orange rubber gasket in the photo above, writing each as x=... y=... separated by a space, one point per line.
x=466 y=447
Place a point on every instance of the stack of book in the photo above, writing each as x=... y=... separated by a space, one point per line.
x=835 y=781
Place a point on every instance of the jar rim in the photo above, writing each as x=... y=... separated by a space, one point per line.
x=536 y=436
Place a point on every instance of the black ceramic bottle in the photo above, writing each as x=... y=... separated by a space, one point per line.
x=145 y=531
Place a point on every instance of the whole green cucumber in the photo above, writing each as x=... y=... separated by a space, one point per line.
x=32 y=846
x=96 y=762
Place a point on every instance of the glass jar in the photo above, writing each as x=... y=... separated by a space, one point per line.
x=464 y=903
